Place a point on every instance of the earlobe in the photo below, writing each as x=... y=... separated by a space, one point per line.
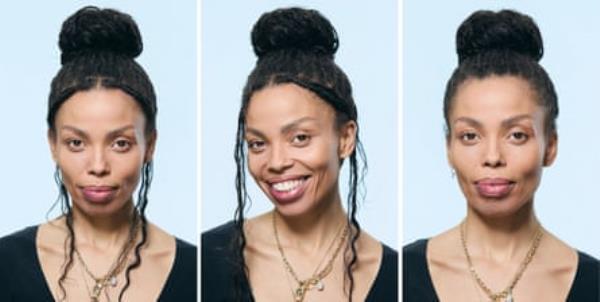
x=347 y=139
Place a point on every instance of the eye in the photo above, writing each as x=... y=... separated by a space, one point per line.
x=468 y=137
x=518 y=136
x=75 y=145
x=121 y=145
x=256 y=145
x=300 y=139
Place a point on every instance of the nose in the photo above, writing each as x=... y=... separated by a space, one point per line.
x=493 y=156
x=98 y=165
x=279 y=159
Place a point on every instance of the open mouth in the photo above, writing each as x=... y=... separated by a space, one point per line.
x=494 y=187
x=288 y=190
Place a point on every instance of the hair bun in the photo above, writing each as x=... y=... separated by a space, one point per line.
x=92 y=30
x=506 y=30
x=294 y=28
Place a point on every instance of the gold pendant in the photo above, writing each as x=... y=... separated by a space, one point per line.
x=300 y=292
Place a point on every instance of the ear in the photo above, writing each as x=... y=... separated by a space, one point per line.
x=551 y=149
x=347 y=141
x=449 y=156
x=150 y=146
x=51 y=136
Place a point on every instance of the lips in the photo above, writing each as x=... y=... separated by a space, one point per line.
x=99 y=194
x=287 y=190
x=494 y=187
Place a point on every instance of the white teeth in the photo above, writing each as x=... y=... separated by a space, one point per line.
x=287 y=185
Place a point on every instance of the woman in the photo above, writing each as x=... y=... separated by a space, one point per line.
x=500 y=109
x=297 y=125
x=102 y=135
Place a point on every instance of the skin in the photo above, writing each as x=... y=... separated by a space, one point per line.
x=292 y=133
x=100 y=139
x=497 y=130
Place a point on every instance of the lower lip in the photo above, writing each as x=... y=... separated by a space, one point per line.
x=99 y=196
x=494 y=190
x=288 y=197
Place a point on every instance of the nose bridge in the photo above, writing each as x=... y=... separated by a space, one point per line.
x=278 y=156
x=493 y=152
x=98 y=162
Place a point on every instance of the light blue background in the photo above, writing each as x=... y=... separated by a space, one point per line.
x=567 y=199
x=29 y=58
x=368 y=54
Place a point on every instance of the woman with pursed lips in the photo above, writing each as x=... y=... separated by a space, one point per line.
x=500 y=109
x=297 y=126
x=102 y=135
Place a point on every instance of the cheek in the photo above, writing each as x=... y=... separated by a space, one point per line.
x=527 y=161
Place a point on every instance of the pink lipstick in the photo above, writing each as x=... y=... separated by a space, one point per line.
x=99 y=194
x=494 y=187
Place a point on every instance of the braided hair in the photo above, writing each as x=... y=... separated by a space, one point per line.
x=297 y=46
x=98 y=49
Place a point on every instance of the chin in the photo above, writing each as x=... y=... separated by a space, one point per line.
x=495 y=209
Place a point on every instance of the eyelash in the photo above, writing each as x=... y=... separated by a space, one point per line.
x=70 y=142
x=523 y=139
x=121 y=149
x=256 y=145
x=468 y=137
x=301 y=139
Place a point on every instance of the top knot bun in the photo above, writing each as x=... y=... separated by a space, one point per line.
x=294 y=28
x=92 y=30
x=506 y=30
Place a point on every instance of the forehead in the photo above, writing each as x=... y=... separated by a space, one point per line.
x=495 y=97
x=284 y=103
x=99 y=106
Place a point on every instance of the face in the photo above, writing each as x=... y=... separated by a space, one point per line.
x=100 y=145
x=295 y=148
x=497 y=144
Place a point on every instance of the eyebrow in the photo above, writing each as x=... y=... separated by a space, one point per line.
x=505 y=123
x=83 y=134
x=285 y=129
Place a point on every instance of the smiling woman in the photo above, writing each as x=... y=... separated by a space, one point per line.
x=297 y=126
x=500 y=109
x=102 y=134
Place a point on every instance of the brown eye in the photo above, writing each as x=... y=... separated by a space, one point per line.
x=256 y=145
x=518 y=136
x=468 y=137
x=75 y=145
x=300 y=139
x=121 y=145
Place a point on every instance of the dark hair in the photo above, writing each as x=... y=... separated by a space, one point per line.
x=98 y=50
x=504 y=43
x=297 y=46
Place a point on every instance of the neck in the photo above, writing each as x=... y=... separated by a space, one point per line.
x=314 y=230
x=502 y=239
x=105 y=232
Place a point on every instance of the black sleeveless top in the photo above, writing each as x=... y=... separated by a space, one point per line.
x=418 y=287
x=218 y=266
x=22 y=279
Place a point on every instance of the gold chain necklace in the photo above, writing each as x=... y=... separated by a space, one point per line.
x=506 y=294
x=316 y=280
x=110 y=278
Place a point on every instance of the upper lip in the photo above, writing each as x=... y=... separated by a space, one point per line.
x=494 y=181
x=275 y=180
